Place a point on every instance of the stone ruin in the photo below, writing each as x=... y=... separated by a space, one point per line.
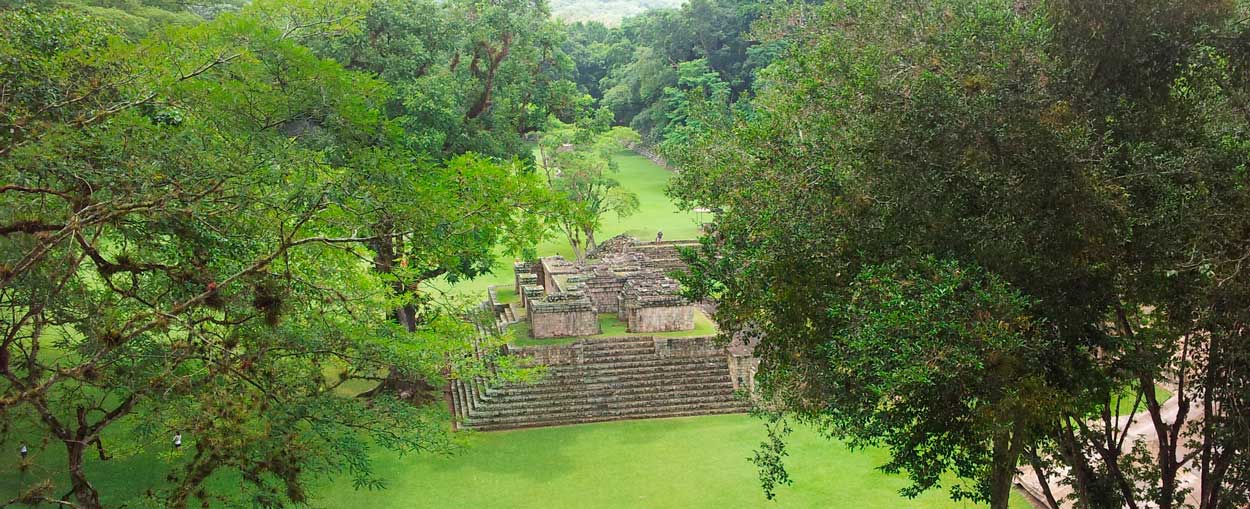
x=609 y=378
x=563 y=314
x=652 y=302
x=623 y=276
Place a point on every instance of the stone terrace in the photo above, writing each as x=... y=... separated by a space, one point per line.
x=604 y=380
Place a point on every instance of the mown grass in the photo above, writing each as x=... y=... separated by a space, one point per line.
x=697 y=462
x=506 y=295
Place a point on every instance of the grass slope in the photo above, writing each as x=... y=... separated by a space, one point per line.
x=692 y=462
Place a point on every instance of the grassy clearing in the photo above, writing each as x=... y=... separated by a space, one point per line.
x=613 y=328
x=656 y=213
x=698 y=462
x=1124 y=406
x=507 y=295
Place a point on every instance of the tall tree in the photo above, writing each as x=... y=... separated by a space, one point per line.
x=182 y=222
x=578 y=164
x=469 y=75
x=1085 y=154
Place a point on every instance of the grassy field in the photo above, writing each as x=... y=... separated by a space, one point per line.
x=656 y=213
x=693 y=462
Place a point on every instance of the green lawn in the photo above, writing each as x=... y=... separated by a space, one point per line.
x=667 y=463
x=656 y=213
x=1124 y=406
x=613 y=328
x=506 y=294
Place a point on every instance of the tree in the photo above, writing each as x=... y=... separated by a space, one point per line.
x=469 y=75
x=578 y=164
x=658 y=56
x=182 y=224
x=1047 y=144
x=942 y=365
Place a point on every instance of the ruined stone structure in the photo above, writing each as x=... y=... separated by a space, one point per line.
x=622 y=276
x=606 y=379
x=563 y=315
x=525 y=274
x=651 y=302
x=603 y=379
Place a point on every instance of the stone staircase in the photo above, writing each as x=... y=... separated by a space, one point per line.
x=606 y=380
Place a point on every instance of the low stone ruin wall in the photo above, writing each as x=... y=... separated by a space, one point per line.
x=530 y=293
x=604 y=291
x=524 y=273
x=658 y=318
x=700 y=346
x=550 y=355
x=562 y=323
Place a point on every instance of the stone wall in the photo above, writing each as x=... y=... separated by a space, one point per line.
x=687 y=347
x=652 y=302
x=563 y=324
x=530 y=293
x=604 y=287
x=742 y=370
x=524 y=273
x=563 y=315
x=551 y=267
x=660 y=318
x=550 y=355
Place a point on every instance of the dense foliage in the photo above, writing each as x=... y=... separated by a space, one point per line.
x=192 y=228
x=1088 y=157
x=649 y=69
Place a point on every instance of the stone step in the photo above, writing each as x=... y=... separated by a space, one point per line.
x=614 y=344
x=602 y=383
x=623 y=390
x=594 y=419
x=641 y=362
x=517 y=417
x=513 y=414
x=672 y=373
x=717 y=407
x=609 y=369
x=594 y=382
x=616 y=357
x=648 y=348
x=609 y=404
x=456 y=402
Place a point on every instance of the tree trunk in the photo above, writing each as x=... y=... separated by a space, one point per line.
x=590 y=239
x=82 y=490
x=417 y=392
x=1036 y=461
x=1007 y=448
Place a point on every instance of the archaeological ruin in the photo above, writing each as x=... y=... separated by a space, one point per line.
x=623 y=276
x=645 y=373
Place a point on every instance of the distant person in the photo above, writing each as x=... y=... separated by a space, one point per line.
x=24 y=450
x=659 y=236
x=178 y=440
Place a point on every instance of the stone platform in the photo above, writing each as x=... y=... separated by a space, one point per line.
x=605 y=380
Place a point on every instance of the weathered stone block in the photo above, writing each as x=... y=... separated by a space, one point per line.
x=563 y=315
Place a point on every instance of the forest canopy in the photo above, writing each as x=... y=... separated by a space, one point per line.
x=967 y=232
